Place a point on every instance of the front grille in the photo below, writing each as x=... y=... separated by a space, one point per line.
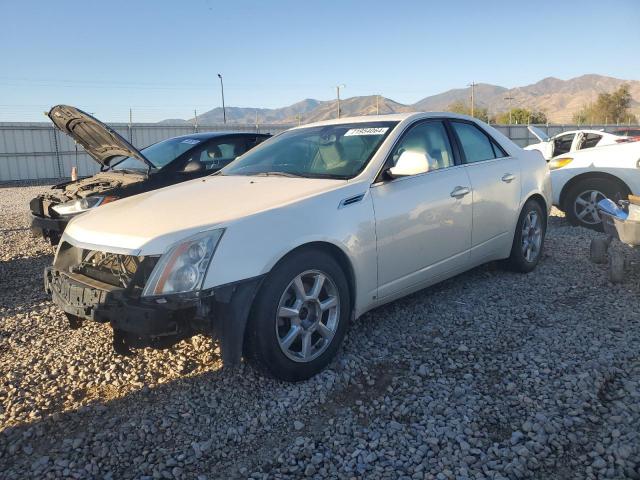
x=110 y=268
x=126 y=271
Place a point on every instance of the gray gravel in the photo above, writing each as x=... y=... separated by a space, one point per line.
x=488 y=375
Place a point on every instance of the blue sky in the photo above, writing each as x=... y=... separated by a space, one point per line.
x=161 y=57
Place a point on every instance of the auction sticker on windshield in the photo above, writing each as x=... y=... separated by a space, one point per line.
x=366 y=131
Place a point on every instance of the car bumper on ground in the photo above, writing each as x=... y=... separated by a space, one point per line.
x=50 y=228
x=156 y=322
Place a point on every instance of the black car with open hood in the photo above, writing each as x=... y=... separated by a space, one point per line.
x=125 y=170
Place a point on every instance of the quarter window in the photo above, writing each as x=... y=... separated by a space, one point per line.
x=429 y=140
x=476 y=144
x=590 y=140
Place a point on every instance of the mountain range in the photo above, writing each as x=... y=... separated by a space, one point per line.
x=559 y=99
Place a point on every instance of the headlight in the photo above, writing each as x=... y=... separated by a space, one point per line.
x=82 y=204
x=184 y=265
x=559 y=162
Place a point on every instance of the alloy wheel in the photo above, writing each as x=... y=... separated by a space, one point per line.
x=531 y=236
x=585 y=206
x=308 y=315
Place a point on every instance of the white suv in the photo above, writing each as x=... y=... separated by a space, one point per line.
x=275 y=254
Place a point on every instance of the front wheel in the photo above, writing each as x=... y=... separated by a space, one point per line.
x=299 y=317
x=528 y=240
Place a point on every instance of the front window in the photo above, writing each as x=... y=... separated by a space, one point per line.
x=428 y=143
x=330 y=151
x=218 y=154
x=160 y=154
x=563 y=143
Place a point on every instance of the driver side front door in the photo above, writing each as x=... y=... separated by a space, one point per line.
x=423 y=221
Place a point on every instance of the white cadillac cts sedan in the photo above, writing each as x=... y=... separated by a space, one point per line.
x=275 y=254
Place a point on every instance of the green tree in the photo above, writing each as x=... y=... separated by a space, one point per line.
x=463 y=108
x=521 y=116
x=608 y=108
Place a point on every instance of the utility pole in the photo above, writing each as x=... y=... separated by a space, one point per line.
x=473 y=91
x=338 y=87
x=195 y=117
x=257 y=127
x=224 y=111
x=299 y=118
x=509 y=99
x=377 y=104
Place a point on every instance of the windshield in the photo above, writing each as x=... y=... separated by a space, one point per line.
x=159 y=154
x=330 y=151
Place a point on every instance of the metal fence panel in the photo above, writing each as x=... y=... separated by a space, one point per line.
x=36 y=151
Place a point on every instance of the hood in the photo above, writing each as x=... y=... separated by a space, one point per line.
x=539 y=134
x=150 y=222
x=101 y=142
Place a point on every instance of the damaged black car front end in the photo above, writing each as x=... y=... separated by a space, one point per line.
x=108 y=288
x=51 y=211
x=126 y=171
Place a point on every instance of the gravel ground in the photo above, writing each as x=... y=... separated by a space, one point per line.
x=488 y=375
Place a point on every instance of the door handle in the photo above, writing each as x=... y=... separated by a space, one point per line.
x=508 y=177
x=460 y=192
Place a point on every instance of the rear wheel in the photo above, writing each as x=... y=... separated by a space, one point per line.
x=580 y=204
x=528 y=240
x=299 y=317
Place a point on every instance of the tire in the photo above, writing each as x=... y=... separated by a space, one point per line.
x=598 y=250
x=525 y=256
x=616 y=267
x=75 y=322
x=591 y=191
x=268 y=332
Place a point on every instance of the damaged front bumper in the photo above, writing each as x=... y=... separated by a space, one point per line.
x=43 y=224
x=157 y=322
x=49 y=228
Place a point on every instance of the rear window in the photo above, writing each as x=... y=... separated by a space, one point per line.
x=476 y=145
x=590 y=140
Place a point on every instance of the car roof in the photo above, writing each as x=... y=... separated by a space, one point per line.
x=393 y=117
x=208 y=135
x=584 y=130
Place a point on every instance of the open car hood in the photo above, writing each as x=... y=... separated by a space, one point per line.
x=539 y=134
x=101 y=142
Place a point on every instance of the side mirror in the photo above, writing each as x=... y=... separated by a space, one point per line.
x=409 y=163
x=193 y=166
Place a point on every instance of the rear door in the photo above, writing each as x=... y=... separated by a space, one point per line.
x=495 y=180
